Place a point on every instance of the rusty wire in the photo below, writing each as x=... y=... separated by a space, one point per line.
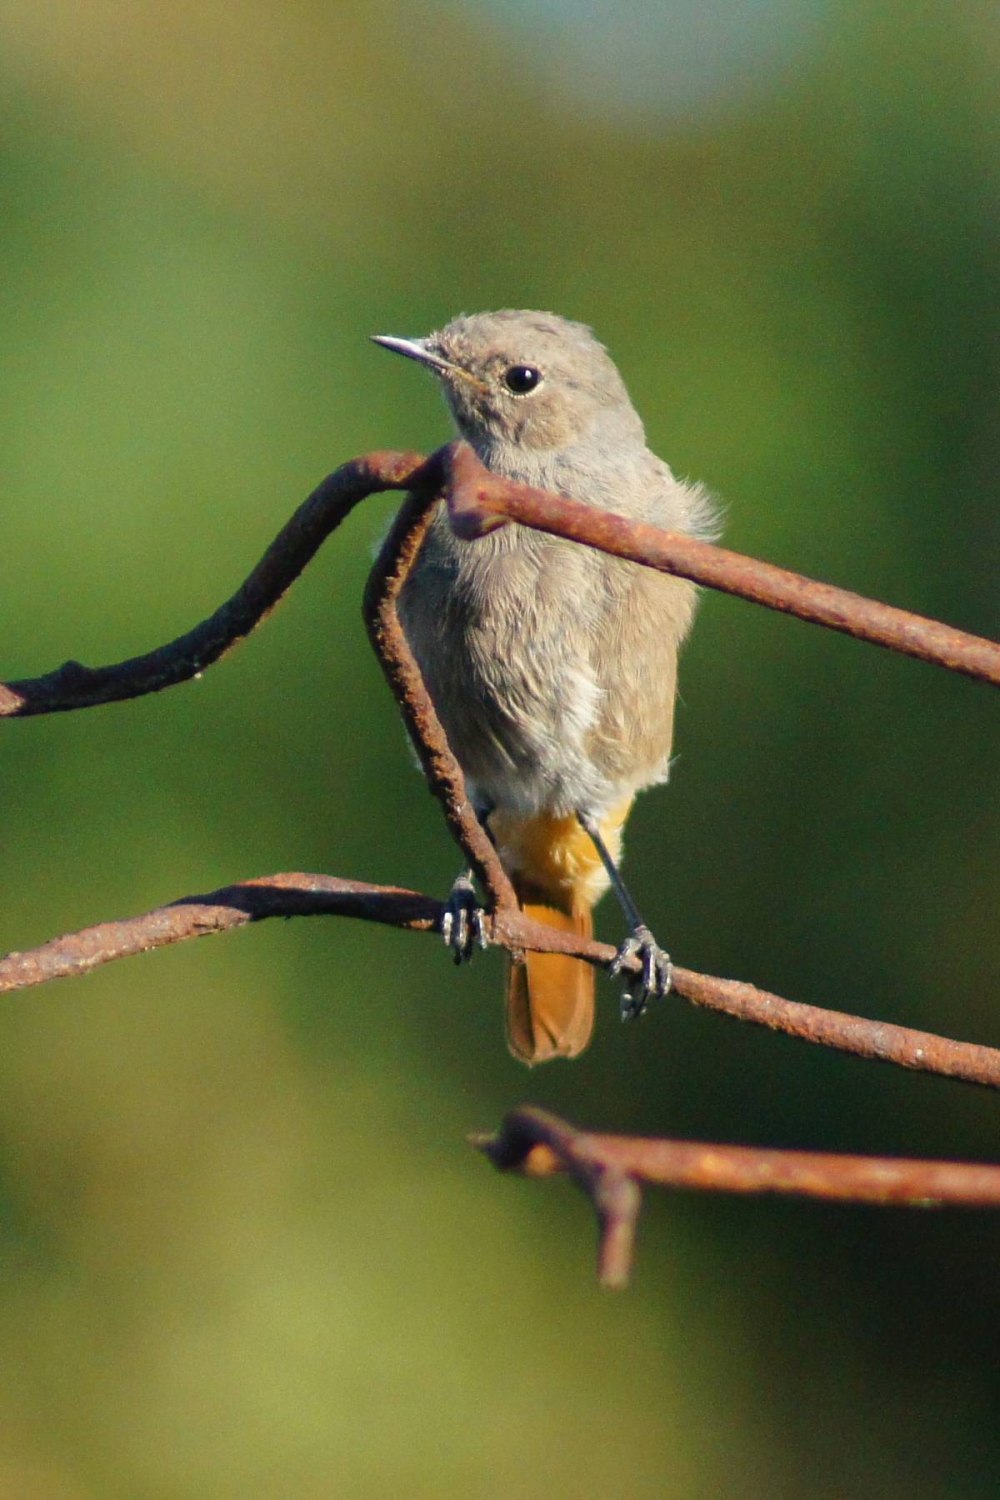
x=478 y=501
x=610 y=1169
x=306 y=895
x=444 y=775
x=74 y=686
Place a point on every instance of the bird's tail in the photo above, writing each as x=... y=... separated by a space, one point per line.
x=550 y=996
x=558 y=877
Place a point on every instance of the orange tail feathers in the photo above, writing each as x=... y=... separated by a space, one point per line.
x=550 y=996
x=558 y=875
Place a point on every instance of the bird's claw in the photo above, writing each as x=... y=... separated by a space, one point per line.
x=656 y=976
x=463 y=921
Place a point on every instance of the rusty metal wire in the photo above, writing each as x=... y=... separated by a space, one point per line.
x=610 y=1168
x=74 y=686
x=443 y=773
x=305 y=895
x=477 y=502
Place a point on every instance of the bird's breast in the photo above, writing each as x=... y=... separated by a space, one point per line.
x=550 y=665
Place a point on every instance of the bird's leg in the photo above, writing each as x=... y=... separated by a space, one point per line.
x=654 y=981
x=463 y=926
x=463 y=921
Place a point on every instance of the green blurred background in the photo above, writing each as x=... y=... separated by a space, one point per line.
x=244 y=1248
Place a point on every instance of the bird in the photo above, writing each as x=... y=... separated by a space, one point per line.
x=552 y=666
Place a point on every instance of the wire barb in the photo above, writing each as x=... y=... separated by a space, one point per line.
x=612 y=1168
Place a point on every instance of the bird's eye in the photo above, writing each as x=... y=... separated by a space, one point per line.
x=520 y=379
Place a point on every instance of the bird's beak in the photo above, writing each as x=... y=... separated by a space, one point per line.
x=420 y=350
x=414 y=349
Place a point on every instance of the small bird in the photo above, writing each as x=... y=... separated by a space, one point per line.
x=552 y=667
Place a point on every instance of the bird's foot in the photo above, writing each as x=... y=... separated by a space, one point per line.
x=463 y=921
x=655 y=979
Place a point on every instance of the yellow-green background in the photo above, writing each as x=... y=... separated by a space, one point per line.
x=244 y=1249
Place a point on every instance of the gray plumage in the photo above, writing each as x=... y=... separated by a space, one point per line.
x=552 y=666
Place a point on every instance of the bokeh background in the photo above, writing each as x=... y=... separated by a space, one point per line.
x=244 y=1248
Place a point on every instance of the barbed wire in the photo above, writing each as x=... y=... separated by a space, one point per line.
x=609 y=1167
x=612 y=1168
